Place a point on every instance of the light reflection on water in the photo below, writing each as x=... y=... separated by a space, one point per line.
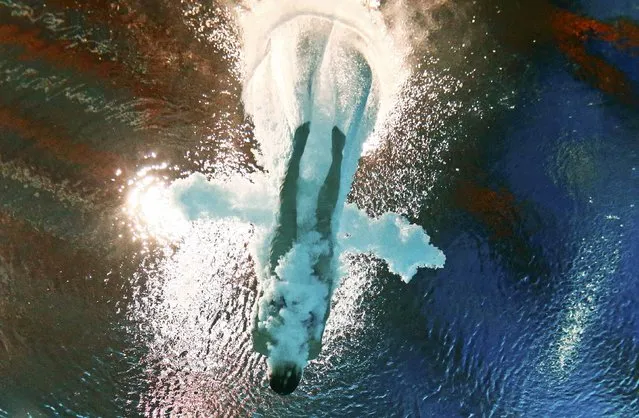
x=193 y=307
x=151 y=213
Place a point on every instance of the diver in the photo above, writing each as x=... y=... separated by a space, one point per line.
x=285 y=377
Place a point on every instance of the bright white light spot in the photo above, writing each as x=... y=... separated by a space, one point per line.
x=153 y=212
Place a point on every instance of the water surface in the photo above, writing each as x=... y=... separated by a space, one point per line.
x=515 y=148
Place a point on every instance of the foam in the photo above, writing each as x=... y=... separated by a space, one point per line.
x=316 y=62
x=391 y=237
x=330 y=63
x=244 y=198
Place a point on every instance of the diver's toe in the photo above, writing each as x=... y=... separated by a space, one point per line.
x=285 y=378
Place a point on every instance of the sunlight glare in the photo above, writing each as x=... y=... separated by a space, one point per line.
x=153 y=212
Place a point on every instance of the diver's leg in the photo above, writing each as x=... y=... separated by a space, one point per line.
x=330 y=189
x=326 y=203
x=286 y=231
x=284 y=378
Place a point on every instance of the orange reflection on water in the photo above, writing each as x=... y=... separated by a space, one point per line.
x=495 y=209
x=571 y=33
x=100 y=164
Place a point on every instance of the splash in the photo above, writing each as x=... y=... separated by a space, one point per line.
x=319 y=80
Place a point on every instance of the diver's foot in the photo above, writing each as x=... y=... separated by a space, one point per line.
x=284 y=378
